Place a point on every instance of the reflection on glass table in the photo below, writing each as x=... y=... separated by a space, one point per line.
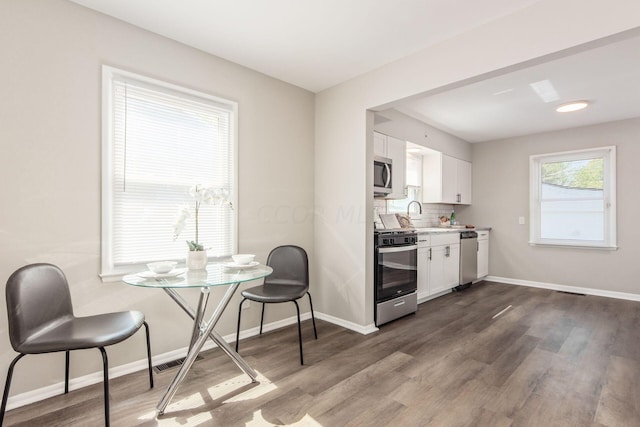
x=216 y=274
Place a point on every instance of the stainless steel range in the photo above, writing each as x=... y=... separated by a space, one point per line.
x=396 y=274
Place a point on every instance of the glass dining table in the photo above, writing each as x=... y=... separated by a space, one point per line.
x=215 y=274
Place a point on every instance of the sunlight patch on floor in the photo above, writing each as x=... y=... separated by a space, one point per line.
x=263 y=387
x=259 y=421
x=196 y=402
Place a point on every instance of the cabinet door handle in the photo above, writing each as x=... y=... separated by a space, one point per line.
x=459 y=198
x=447 y=252
x=477 y=246
x=429 y=254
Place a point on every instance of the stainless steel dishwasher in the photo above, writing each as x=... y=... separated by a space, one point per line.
x=468 y=258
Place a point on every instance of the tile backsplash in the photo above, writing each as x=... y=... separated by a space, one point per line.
x=431 y=213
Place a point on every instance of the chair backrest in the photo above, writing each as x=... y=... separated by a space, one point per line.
x=290 y=266
x=37 y=296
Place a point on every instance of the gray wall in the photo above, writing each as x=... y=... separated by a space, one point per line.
x=50 y=115
x=344 y=127
x=407 y=128
x=501 y=195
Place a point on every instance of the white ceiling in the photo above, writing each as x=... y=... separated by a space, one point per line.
x=316 y=44
x=507 y=106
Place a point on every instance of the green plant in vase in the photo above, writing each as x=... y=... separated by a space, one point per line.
x=201 y=195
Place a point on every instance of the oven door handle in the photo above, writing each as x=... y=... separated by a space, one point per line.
x=398 y=249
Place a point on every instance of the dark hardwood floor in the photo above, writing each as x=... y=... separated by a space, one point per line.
x=551 y=359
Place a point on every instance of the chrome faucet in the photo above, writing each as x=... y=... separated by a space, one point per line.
x=412 y=202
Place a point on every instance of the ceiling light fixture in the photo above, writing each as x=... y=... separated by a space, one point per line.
x=572 y=106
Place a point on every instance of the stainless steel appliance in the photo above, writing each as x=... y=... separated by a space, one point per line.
x=396 y=274
x=382 y=176
x=468 y=258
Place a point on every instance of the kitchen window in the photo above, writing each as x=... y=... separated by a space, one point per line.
x=573 y=198
x=413 y=176
x=159 y=140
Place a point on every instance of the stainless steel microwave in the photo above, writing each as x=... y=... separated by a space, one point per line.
x=382 y=175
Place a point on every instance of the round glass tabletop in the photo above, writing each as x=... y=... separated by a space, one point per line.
x=216 y=274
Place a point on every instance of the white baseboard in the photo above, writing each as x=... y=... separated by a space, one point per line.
x=364 y=330
x=565 y=288
x=39 y=394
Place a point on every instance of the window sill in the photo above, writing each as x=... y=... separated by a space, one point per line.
x=569 y=246
x=112 y=277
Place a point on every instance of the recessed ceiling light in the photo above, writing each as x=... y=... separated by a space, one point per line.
x=572 y=106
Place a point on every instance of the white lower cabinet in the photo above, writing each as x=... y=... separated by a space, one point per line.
x=445 y=268
x=424 y=255
x=438 y=263
x=483 y=253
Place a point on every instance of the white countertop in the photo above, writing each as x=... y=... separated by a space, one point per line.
x=449 y=229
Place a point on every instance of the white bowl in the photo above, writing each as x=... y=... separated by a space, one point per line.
x=243 y=259
x=161 y=267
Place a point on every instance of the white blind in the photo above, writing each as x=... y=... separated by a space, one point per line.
x=162 y=143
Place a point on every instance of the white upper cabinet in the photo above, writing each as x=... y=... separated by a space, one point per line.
x=394 y=149
x=464 y=182
x=445 y=179
x=379 y=144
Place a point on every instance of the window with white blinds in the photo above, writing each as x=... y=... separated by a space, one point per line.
x=159 y=140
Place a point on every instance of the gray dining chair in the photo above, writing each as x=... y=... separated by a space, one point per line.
x=288 y=283
x=41 y=320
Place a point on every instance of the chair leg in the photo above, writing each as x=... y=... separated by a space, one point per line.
x=7 y=385
x=238 y=329
x=146 y=329
x=299 y=332
x=261 y=318
x=105 y=368
x=66 y=372
x=313 y=318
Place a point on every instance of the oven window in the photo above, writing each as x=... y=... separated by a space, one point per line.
x=396 y=272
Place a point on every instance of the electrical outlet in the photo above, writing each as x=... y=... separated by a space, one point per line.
x=246 y=304
x=521 y=220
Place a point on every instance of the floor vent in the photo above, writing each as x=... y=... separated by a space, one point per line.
x=572 y=293
x=172 y=364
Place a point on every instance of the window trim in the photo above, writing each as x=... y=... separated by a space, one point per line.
x=608 y=154
x=108 y=272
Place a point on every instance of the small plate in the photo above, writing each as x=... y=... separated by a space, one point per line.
x=151 y=275
x=241 y=266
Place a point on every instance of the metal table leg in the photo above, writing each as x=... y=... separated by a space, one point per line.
x=205 y=331
x=197 y=319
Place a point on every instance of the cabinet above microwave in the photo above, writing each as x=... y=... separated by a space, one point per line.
x=394 y=149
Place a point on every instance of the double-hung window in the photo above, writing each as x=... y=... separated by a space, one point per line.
x=414 y=184
x=573 y=198
x=159 y=141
